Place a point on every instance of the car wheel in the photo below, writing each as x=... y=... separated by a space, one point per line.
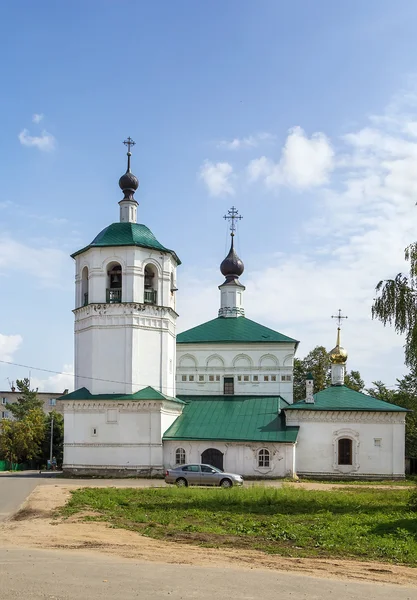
x=226 y=483
x=181 y=482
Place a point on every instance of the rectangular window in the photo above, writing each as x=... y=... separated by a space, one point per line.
x=52 y=402
x=228 y=386
x=4 y=414
x=190 y=377
x=94 y=431
x=345 y=451
x=217 y=377
x=378 y=442
x=255 y=378
x=183 y=377
x=239 y=377
x=266 y=377
x=246 y=378
x=4 y=400
x=273 y=377
x=201 y=378
x=285 y=377
x=211 y=377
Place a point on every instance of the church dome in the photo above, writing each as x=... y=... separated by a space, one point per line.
x=128 y=182
x=338 y=356
x=232 y=265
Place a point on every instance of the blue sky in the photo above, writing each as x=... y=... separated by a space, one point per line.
x=301 y=114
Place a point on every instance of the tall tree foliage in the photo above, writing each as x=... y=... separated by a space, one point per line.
x=26 y=401
x=21 y=440
x=396 y=304
x=317 y=363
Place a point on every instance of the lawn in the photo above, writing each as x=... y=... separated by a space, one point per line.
x=367 y=524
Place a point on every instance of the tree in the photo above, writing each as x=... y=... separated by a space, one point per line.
x=317 y=363
x=27 y=400
x=21 y=440
x=396 y=304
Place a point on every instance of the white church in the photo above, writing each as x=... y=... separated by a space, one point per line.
x=147 y=399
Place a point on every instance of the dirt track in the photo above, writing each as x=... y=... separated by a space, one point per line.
x=35 y=526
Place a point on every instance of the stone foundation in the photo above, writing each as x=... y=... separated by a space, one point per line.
x=112 y=471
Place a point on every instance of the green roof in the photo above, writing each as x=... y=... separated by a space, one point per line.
x=148 y=393
x=232 y=418
x=340 y=397
x=127 y=234
x=230 y=330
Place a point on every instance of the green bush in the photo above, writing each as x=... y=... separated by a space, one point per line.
x=412 y=503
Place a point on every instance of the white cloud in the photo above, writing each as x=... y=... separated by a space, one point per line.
x=363 y=219
x=251 y=141
x=218 y=178
x=304 y=163
x=50 y=266
x=56 y=383
x=9 y=344
x=44 y=142
x=37 y=118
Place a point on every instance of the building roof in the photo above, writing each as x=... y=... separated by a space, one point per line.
x=232 y=418
x=127 y=234
x=148 y=393
x=341 y=397
x=230 y=330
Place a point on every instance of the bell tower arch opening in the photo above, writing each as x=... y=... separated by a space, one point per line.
x=114 y=283
x=150 y=285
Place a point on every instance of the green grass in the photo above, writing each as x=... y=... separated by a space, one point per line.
x=410 y=480
x=368 y=524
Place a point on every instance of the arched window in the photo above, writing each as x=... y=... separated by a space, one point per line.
x=150 y=285
x=180 y=456
x=114 y=283
x=344 y=451
x=263 y=457
x=84 y=287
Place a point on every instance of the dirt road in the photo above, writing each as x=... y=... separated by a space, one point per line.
x=63 y=575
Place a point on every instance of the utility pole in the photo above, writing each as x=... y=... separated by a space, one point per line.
x=52 y=438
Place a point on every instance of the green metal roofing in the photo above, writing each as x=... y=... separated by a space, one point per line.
x=127 y=234
x=340 y=397
x=232 y=418
x=148 y=393
x=230 y=330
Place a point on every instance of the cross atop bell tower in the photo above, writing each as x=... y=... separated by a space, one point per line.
x=232 y=216
x=128 y=183
x=231 y=291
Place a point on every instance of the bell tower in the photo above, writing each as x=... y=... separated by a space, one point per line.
x=125 y=318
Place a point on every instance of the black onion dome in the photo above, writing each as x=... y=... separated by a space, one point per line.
x=128 y=182
x=232 y=266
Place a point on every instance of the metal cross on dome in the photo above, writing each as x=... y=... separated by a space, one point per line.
x=129 y=142
x=233 y=216
x=339 y=317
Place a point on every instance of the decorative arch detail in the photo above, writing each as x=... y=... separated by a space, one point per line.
x=288 y=360
x=154 y=263
x=242 y=360
x=215 y=360
x=112 y=260
x=188 y=360
x=268 y=361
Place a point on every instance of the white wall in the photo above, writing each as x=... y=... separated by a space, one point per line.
x=316 y=450
x=111 y=435
x=239 y=457
x=233 y=360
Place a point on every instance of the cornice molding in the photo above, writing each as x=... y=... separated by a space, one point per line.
x=343 y=416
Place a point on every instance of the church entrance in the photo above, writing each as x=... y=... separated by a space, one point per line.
x=213 y=457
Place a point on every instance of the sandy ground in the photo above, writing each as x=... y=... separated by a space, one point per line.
x=36 y=526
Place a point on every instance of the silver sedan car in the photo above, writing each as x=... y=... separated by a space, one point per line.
x=198 y=474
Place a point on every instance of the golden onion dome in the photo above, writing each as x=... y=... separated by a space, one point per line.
x=338 y=356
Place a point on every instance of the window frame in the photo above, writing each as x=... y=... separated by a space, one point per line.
x=228 y=386
x=264 y=458
x=180 y=456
